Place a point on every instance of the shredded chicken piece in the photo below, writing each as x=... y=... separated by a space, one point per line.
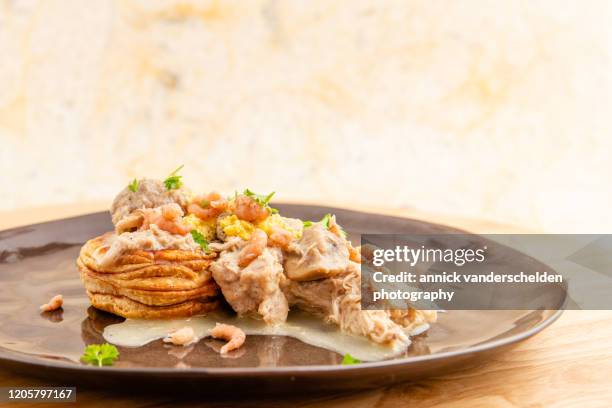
x=181 y=337
x=231 y=243
x=235 y=336
x=413 y=319
x=318 y=254
x=337 y=299
x=334 y=227
x=346 y=312
x=254 y=289
x=354 y=253
x=55 y=303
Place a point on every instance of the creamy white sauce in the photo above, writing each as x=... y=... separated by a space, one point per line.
x=302 y=326
x=152 y=239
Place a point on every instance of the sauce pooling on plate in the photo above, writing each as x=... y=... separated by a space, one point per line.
x=307 y=328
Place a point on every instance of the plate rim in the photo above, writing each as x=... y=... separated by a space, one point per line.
x=8 y=356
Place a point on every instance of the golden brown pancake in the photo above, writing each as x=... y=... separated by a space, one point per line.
x=144 y=284
x=130 y=309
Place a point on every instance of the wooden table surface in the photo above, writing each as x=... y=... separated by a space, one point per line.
x=567 y=365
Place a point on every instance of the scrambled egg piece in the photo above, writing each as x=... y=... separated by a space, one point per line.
x=233 y=226
x=278 y=221
x=206 y=228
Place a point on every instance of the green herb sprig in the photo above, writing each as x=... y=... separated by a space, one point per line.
x=133 y=186
x=324 y=221
x=174 y=180
x=200 y=240
x=350 y=360
x=100 y=354
x=261 y=199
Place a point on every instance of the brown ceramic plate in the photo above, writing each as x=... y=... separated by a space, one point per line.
x=38 y=261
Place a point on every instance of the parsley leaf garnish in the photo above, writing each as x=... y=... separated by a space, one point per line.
x=133 y=186
x=324 y=221
x=350 y=360
x=174 y=180
x=200 y=240
x=100 y=354
x=261 y=199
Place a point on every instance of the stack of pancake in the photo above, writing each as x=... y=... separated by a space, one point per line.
x=144 y=284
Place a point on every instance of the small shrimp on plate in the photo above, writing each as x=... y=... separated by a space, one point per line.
x=181 y=337
x=55 y=303
x=235 y=336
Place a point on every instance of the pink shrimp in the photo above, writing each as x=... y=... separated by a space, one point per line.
x=167 y=217
x=130 y=222
x=234 y=335
x=181 y=337
x=208 y=206
x=253 y=248
x=248 y=209
x=280 y=237
x=55 y=303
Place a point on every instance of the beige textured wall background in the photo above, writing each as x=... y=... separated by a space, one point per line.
x=490 y=109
